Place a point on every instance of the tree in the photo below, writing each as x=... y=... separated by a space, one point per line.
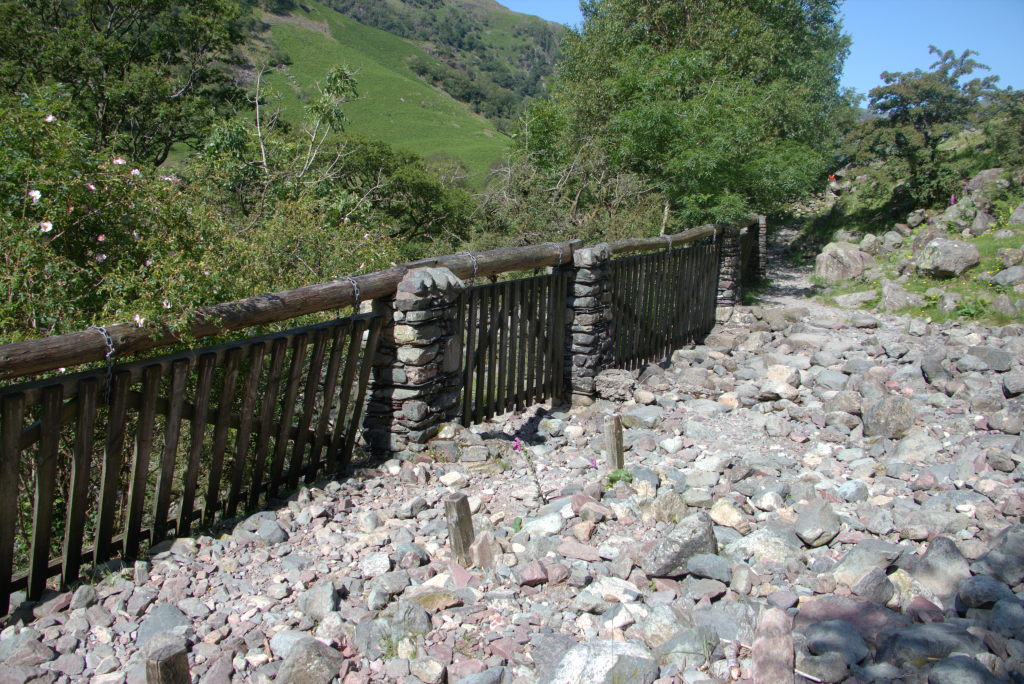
x=919 y=110
x=724 y=106
x=141 y=75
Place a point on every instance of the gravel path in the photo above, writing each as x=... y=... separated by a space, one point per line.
x=809 y=490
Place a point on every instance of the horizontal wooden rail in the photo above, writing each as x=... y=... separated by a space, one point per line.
x=72 y=349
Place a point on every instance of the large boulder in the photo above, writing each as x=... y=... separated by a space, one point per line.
x=1017 y=217
x=693 y=535
x=943 y=258
x=842 y=261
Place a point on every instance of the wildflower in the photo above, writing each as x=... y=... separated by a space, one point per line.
x=136 y=172
x=593 y=463
x=952 y=199
x=119 y=161
x=170 y=179
x=167 y=304
x=100 y=258
x=62 y=369
x=45 y=227
x=91 y=187
x=101 y=238
x=34 y=195
x=139 y=320
x=49 y=118
x=517 y=444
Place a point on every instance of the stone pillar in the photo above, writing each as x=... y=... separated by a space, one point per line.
x=729 y=273
x=417 y=373
x=588 y=340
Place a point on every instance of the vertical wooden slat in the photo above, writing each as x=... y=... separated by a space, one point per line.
x=316 y=363
x=245 y=419
x=493 y=339
x=140 y=462
x=46 y=472
x=169 y=456
x=337 y=445
x=364 y=379
x=480 y=393
x=500 y=382
x=88 y=389
x=270 y=400
x=232 y=359
x=543 y=338
x=300 y=344
x=512 y=352
x=201 y=408
x=13 y=410
x=322 y=433
x=469 y=356
x=113 y=459
x=524 y=342
x=561 y=305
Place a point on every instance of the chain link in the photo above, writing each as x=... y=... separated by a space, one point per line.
x=108 y=356
x=355 y=293
x=476 y=265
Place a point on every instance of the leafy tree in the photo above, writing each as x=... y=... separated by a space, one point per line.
x=918 y=111
x=723 y=106
x=140 y=75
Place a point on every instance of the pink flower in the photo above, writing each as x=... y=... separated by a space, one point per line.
x=119 y=161
x=952 y=199
x=139 y=320
x=49 y=118
x=91 y=187
x=45 y=227
x=517 y=444
x=136 y=172
x=101 y=238
x=34 y=195
x=100 y=258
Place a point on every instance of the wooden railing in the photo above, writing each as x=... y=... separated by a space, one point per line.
x=100 y=463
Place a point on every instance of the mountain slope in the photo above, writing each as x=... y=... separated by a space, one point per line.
x=487 y=55
x=395 y=105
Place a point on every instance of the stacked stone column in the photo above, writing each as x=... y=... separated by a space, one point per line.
x=730 y=269
x=417 y=370
x=589 y=333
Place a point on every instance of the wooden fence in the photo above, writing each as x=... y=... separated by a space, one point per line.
x=648 y=324
x=513 y=334
x=102 y=463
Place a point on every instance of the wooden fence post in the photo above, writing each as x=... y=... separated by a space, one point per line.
x=460 y=527
x=613 y=442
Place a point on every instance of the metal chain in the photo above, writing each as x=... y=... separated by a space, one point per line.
x=110 y=363
x=355 y=293
x=559 y=246
x=476 y=264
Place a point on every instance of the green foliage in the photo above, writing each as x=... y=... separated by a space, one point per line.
x=619 y=475
x=723 y=107
x=139 y=76
x=919 y=112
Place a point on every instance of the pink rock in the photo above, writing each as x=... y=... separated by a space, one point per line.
x=923 y=610
x=574 y=549
x=532 y=574
x=579 y=500
x=505 y=648
x=465 y=668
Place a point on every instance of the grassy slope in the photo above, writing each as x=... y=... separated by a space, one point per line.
x=394 y=105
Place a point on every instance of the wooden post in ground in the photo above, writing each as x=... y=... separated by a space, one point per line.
x=460 y=527
x=613 y=442
x=166 y=661
x=773 y=648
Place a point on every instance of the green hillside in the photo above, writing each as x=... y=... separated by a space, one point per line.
x=394 y=105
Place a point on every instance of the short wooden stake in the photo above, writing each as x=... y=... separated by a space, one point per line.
x=167 y=663
x=460 y=527
x=613 y=442
x=772 y=652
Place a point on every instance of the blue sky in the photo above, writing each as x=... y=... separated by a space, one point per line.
x=894 y=35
